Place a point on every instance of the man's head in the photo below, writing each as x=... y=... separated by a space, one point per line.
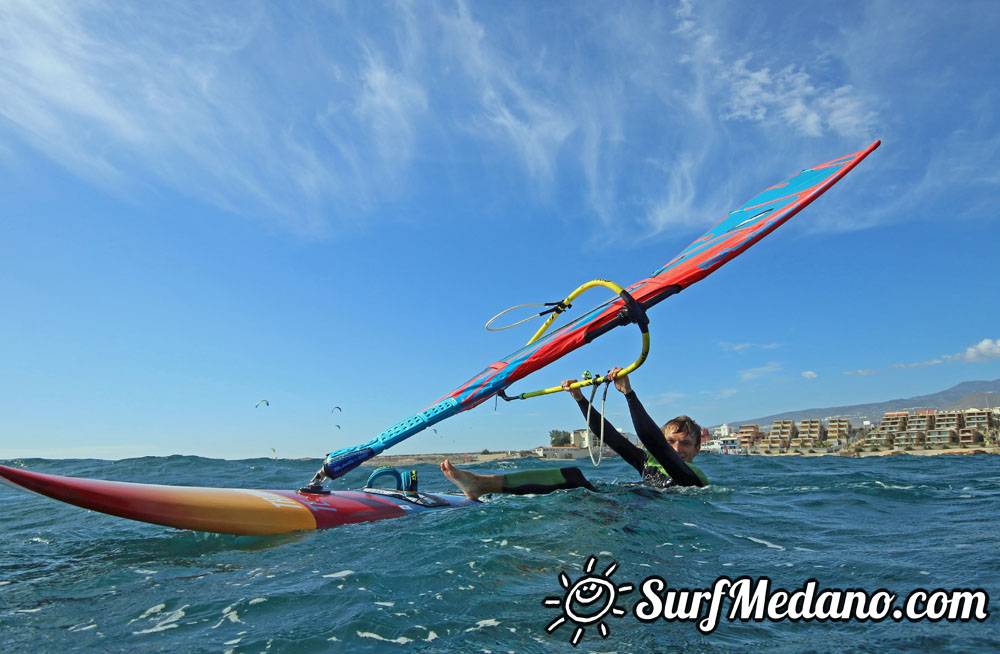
x=684 y=435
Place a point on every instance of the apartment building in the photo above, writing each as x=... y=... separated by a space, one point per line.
x=811 y=430
x=838 y=429
x=942 y=436
x=981 y=419
x=749 y=435
x=949 y=420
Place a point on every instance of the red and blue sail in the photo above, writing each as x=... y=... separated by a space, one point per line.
x=737 y=232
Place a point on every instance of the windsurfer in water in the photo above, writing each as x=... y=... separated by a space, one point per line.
x=666 y=461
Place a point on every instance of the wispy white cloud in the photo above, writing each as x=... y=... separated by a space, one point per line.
x=791 y=96
x=667 y=398
x=955 y=156
x=863 y=372
x=656 y=114
x=509 y=110
x=809 y=374
x=724 y=90
x=919 y=364
x=390 y=103
x=985 y=350
x=756 y=373
x=122 y=98
x=744 y=347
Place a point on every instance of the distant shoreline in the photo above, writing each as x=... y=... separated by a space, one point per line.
x=954 y=451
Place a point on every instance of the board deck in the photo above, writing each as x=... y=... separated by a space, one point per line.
x=237 y=511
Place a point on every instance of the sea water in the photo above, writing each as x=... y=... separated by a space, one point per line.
x=477 y=579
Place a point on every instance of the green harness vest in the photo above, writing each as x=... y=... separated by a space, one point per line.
x=651 y=462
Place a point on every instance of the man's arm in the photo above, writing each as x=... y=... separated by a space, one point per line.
x=652 y=437
x=626 y=450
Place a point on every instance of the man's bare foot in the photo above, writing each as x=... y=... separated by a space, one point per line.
x=468 y=482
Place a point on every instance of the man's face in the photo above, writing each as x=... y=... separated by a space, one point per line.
x=682 y=443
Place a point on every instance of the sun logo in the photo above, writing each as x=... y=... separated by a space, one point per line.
x=587 y=601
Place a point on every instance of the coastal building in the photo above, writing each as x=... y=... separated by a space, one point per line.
x=561 y=452
x=949 y=420
x=748 y=435
x=772 y=443
x=969 y=435
x=879 y=438
x=811 y=432
x=723 y=431
x=784 y=429
x=911 y=438
x=800 y=443
x=838 y=430
x=981 y=419
x=725 y=445
x=917 y=427
x=894 y=421
x=921 y=421
x=942 y=436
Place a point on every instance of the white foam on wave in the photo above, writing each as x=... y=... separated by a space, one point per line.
x=761 y=541
x=230 y=614
x=483 y=624
x=150 y=611
x=894 y=487
x=402 y=640
x=169 y=621
x=339 y=575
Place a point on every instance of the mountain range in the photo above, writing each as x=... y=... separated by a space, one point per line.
x=967 y=395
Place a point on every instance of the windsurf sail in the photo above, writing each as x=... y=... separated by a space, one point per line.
x=737 y=232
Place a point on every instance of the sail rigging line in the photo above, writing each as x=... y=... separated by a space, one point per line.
x=590 y=406
x=631 y=311
x=554 y=306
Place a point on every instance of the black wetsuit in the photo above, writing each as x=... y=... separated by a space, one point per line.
x=660 y=465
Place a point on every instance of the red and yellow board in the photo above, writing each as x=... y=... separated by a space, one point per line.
x=228 y=510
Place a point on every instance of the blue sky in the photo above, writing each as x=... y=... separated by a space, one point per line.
x=321 y=204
